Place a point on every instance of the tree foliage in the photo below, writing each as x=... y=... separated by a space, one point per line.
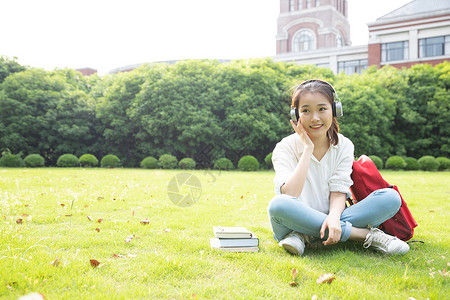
x=208 y=110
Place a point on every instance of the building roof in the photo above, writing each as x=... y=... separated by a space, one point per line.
x=418 y=7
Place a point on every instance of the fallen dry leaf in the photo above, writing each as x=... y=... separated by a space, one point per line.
x=328 y=278
x=118 y=256
x=25 y=215
x=55 y=263
x=97 y=229
x=90 y=218
x=129 y=238
x=68 y=215
x=62 y=204
x=242 y=196
x=132 y=213
x=294 y=273
x=100 y=220
x=99 y=198
x=145 y=222
x=94 y=263
x=19 y=221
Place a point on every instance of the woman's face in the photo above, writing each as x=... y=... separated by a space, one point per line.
x=316 y=114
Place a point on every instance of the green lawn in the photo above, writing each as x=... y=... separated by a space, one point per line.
x=171 y=257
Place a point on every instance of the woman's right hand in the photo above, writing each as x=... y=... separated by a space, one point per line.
x=301 y=131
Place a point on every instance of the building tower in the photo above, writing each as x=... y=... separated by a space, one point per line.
x=306 y=25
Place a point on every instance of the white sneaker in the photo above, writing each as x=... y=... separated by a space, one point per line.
x=385 y=243
x=293 y=243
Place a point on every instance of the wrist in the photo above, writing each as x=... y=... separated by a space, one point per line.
x=308 y=148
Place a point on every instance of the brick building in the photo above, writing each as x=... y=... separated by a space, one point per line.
x=317 y=32
x=418 y=32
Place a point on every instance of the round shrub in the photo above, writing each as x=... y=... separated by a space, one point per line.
x=428 y=163
x=395 y=163
x=248 y=163
x=88 y=160
x=444 y=163
x=11 y=161
x=149 y=163
x=268 y=160
x=168 y=161
x=187 y=163
x=67 y=161
x=223 y=164
x=377 y=161
x=34 y=161
x=110 y=161
x=411 y=164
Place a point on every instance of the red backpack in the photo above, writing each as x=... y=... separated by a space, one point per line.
x=366 y=179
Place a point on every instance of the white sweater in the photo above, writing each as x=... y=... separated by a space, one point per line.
x=330 y=174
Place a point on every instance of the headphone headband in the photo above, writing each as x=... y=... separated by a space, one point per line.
x=337 y=105
x=335 y=96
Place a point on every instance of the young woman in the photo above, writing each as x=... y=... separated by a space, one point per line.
x=312 y=181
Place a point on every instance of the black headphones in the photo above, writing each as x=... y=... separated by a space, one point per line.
x=336 y=105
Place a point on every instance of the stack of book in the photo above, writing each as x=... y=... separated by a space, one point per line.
x=234 y=239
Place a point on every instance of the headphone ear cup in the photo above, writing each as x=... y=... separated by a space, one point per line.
x=294 y=114
x=337 y=109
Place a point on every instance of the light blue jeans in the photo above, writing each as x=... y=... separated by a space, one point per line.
x=287 y=213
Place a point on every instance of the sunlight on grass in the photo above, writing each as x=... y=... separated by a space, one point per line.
x=60 y=212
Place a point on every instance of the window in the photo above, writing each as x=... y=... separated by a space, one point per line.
x=352 y=66
x=308 y=3
x=304 y=40
x=394 y=51
x=339 y=40
x=435 y=46
x=323 y=65
x=300 y=4
x=291 y=5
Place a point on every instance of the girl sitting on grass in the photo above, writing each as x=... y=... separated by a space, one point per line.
x=312 y=181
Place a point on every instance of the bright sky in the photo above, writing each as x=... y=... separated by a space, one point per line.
x=107 y=34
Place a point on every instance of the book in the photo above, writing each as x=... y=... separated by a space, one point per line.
x=234 y=243
x=232 y=232
x=238 y=249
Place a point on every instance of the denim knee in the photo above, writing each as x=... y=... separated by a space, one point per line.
x=389 y=199
x=279 y=204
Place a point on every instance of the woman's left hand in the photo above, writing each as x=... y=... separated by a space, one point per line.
x=334 y=230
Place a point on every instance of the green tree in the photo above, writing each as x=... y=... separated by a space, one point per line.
x=8 y=67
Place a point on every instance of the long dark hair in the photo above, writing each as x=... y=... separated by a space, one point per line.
x=327 y=90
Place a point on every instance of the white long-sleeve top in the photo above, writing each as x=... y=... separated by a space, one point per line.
x=330 y=174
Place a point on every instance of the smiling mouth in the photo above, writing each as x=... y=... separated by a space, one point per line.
x=316 y=126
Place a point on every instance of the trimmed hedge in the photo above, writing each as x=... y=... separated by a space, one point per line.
x=67 y=161
x=395 y=163
x=187 y=163
x=88 y=160
x=444 y=163
x=223 y=164
x=248 y=163
x=168 y=161
x=377 y=161
x=268 y=160
x=411 y=164
x=110 y=161
x=11 y=161
x=428 y=163
x=34 y=161
x=149 y=163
